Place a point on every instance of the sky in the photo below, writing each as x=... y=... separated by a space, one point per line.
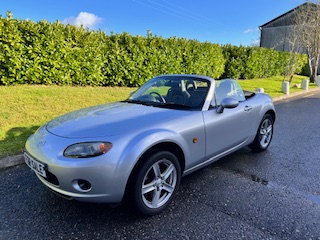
x=233 y=22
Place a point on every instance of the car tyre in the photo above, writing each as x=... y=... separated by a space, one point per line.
x=156 y=183
x=264 y=134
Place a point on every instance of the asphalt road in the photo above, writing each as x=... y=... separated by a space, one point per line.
x=269 y=195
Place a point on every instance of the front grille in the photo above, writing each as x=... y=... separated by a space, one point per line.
x=51 y=178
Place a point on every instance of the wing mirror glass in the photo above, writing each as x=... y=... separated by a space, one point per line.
x=227 y=103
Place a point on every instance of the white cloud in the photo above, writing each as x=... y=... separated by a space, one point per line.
x=87 y=20
x=251 y=30
x=248 y=31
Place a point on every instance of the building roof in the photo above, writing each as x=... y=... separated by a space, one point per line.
x=285 y=14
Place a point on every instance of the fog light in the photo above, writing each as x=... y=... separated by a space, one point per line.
x=81 y=185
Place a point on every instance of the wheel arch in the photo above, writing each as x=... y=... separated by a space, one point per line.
x=163 y=146
x=272 y=114
x=256 y=145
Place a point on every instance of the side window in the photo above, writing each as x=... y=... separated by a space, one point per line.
x=228 y=88
x=238 y=92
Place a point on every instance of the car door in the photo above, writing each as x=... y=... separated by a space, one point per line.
x=230 y=128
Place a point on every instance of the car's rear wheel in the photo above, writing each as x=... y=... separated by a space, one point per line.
x=156 y=183
x=264 y=134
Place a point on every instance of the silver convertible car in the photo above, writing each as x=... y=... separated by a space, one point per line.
x=139 y=149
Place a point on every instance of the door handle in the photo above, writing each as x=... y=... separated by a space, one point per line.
x=247 y=108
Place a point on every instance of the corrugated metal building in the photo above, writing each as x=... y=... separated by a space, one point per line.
x=275 y=33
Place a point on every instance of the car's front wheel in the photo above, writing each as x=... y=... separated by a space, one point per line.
x=264 y=134
x=156 y=183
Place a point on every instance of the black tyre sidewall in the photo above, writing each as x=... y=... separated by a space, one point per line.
x=255 y=145
x=136 y=187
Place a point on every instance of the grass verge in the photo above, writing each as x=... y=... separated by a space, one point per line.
x=273 y=86
x=24 y=108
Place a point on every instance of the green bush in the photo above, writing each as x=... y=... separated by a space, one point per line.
x=255 y=62
x=236 y=59
x=54 y=53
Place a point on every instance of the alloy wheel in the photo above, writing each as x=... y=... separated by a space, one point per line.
x=159 y=183
x=265 y=133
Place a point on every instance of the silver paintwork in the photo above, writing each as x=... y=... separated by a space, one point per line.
x=203 y=135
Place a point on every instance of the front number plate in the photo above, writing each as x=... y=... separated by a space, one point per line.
x=36 y=166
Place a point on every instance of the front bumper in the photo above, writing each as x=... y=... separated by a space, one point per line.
x=84 y=197
x=105 y=177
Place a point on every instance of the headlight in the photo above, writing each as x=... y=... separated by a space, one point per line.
x=85 y=150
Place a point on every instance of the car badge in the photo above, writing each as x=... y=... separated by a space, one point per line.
x=41 y=143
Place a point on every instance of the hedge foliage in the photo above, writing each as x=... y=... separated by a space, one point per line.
x=256 y=62
x=54 y=53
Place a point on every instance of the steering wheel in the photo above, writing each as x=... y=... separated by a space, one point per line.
x=158 y=97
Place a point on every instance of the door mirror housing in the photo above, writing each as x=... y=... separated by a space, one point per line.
x=227 y=103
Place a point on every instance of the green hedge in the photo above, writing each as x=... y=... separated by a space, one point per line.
x=256 y=62
x=130 y=60
x=54 y=53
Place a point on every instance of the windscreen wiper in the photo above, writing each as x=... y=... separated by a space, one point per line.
x=138 y=102
x=173 y=105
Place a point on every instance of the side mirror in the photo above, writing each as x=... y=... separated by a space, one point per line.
x=227 y=103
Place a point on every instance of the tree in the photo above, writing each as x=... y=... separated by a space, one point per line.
x=307 y=25
x=294 y=47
